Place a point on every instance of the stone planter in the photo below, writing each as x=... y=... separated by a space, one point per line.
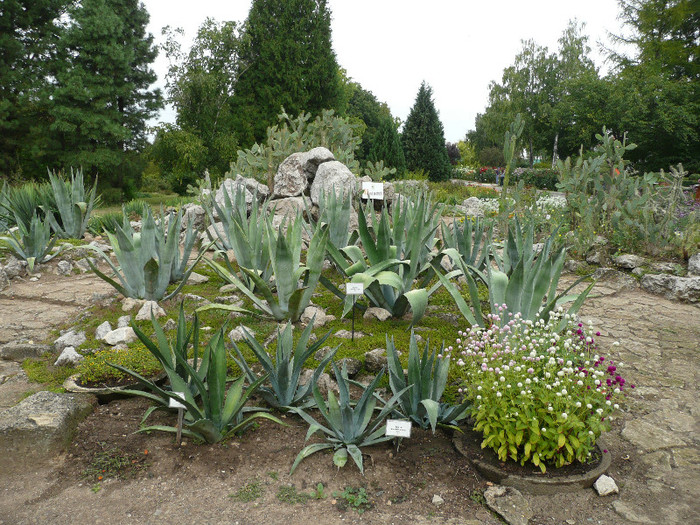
x=534 y=484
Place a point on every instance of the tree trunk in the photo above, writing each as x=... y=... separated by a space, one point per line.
x=555 y=150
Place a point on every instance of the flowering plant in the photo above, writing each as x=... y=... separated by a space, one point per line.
x=537 y=395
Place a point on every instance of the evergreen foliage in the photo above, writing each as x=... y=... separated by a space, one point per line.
x=387 y=147
x=287 y=61
x=424 y=138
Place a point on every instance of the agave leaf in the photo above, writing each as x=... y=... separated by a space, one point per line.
x=306 y=452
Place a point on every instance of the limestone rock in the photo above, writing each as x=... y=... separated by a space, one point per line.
x=473 y=207
x=314 y=158
x=672 y=287
x=389 y=192
x=170 y=324
x=605 y=486
x=250 y=187
x=334 y=176
x=123 y=321
x=437 y=500
x=288 y=207
x=70 y=338
x=347 y=334
x=352 y=365
x=64 y=268
x=320 y=318
x=228 y=288
x=628 y=261
x=124 y=335
x=68 y=357
x=148 y=308
x=236 y=335
x=291 y=179
x=324 y=381
x=129 y=303
x=196 y=214
x=615 y=279
x=664 y=267
x=375 y=360
x=83 y=264
x=4 y=280
x=213 y=233
x=41 y=425
x=693 y=265
x=321 y=353
x=376 y=313
x=102 y=330
x=197 y=278
x=596 y=256
x=19 y=351
x=509 y=503
x=15 y=268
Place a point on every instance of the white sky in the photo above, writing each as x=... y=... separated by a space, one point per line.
x=390 y=46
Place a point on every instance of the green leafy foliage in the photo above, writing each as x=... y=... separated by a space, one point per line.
x=284 y=373
x=428 y=375
x=350 y=427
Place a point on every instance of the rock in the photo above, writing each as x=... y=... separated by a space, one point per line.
x=389 y=192
x=664 y=267
x=123 y=321
x=615 y=279
x=254 y=187
x=321 y=353
x=693 y=265
x=317 y=314
x=83 y=264
x=638 y=272
x=605 y=486
x=231 y=186
x=628 y=261
x=596 y=257
x=129 y=303
x=100 y=246
x=150 y=308
x=70 y=338
x=102 y=330
x=376 y=313
x=193 y=297
x=288 y=207
x=509 y=503
x=41 y=425
x=375 y=360
x=291 y=179
x=68 y=357
x=672 y=287
x=64 y=268
x=213 y=233
x=19 y=351
x=124 y=335
x=437 y=500
x=196 y=214
x=324 y=381
x=236 y=335
x=599 y=240
x=170 y=324
x=631 y=512
x=571 y=265
x=347 y=334
x=228 y=288
x=334 y=176
x=196 y=278
x=352 y=365
x=35 y=277
x=4 y=280
x=473 y=207
x=15 y=268
x=314 y=158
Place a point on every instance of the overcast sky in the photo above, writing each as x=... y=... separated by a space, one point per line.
x=391 y=46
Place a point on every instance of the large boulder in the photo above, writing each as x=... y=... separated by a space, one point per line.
x=288 y=206
x=332 y=175
x=70 y=338
x=15 y=268
x=39 y=426
x=197 y=214
x=19 y=351
x=123 y=335
x=693 y=265
x=254 y=191
x=314 y=158
x=628 y=261
x=672 y=287
x=291 y=179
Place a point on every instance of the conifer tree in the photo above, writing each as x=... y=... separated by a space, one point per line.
x=102 y=97
x=288 y=61
x=424 y=138
x=387 y=146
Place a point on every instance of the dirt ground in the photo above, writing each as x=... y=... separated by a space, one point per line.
x=245 y=480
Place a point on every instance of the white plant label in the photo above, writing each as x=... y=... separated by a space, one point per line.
x=398 y=428
x=176 y=404
x=373 y=191
x=355 y=288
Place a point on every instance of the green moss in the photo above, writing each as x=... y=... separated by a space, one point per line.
x=42 y=371
x=95 y=368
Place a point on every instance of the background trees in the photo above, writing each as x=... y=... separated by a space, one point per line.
x=423 y=138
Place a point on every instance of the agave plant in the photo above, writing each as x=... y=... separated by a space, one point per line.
x=19 y=204
x=525 y=282
x=220 y=411
x=284 y=390
x=335 y=211
x=294 y=283
x=74 y=205
x=245 y=235
x=349 y=426
x=146 y=259
x=428 y=375
x=472 y=240
x=396 y=258
x=32 y=244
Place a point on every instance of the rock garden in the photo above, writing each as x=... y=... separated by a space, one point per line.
x=254 y=355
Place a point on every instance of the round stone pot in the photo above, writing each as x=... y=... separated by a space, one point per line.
x=534 y=484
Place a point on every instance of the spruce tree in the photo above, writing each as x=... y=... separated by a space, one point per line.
x=288 y=61
x=102 y=98
x=387 y=147
x=424 y=138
